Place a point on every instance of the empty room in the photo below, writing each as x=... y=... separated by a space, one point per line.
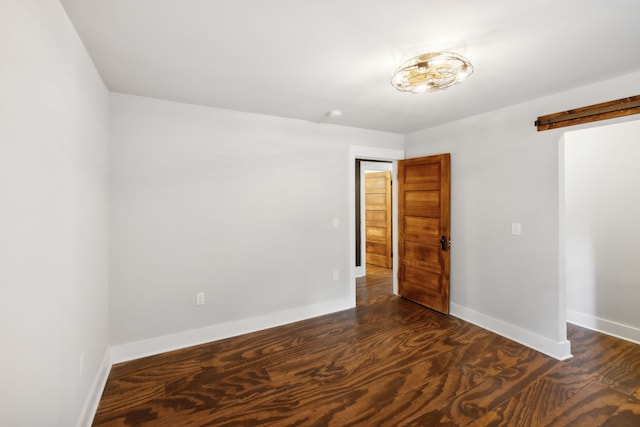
x=327 y=213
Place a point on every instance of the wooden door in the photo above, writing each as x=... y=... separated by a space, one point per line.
x=378 y=218
x=423 y=230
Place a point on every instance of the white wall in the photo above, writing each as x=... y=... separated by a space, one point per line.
x=602 y=231
x=53 y=219
x=238 y=206
x=504 y=171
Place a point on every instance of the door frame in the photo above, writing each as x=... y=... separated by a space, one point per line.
x=368 y=165
x=371 y=153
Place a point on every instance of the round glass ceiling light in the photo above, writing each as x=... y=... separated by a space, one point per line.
x=431 y=72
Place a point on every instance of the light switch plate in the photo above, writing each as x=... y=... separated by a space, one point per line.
x=200 y=298
x=516 y=228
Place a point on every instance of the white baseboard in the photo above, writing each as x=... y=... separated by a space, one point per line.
x=558 y=350
x=618 y=330
x=136 y=350
x=95 y=394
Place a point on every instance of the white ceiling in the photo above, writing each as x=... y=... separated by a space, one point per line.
x=302 y=58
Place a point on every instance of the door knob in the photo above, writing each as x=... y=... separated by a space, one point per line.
x=443 y=243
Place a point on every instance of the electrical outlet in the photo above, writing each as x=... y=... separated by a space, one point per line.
x=336 y=275
x=200 y=298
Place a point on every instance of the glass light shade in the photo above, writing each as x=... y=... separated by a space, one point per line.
x=430 y=72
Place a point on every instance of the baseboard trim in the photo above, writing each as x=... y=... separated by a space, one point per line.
x=95 y=393
x=558 y=350
x=618 y=330
x=136 y=350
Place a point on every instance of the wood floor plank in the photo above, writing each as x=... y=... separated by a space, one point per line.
x=477 y=402
x=533 y=404
x=591 y=406
x=406 y=407
x=403 y=396
x=623 y=373
x=386 y=362
x=132 y=397
x=627 y=415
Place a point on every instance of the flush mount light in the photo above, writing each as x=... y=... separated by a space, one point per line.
x=430 y=72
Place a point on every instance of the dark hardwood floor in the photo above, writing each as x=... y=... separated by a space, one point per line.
x=387 y=362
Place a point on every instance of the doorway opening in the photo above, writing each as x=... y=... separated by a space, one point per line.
x=357 y=259
x=375 y=287
x=374 y=231
x=599 y=231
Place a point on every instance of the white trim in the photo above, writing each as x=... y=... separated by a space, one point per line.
x=95 y=393
x=149 y=347
x=559 y=350
x=618 y=330
x=394 y=225
x=562 y=251
x=368 y=153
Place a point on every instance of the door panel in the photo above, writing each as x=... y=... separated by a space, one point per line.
x=421 y=228
x=378 y=218
x=426 y=257
x=423 y=211
x=422 y=280
x=420 y=200
x=422 y=174
x=376 y=202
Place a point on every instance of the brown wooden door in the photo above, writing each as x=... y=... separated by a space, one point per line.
x=378 y=218
x=423 y=230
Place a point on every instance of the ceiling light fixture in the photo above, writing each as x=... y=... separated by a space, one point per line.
x=430 y=72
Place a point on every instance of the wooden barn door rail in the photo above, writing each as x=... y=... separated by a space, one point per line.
x=592 y=113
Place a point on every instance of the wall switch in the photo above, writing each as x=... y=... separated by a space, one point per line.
x=516 y=228
x=336 y=275
x=336 y=223
x=200 y=298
